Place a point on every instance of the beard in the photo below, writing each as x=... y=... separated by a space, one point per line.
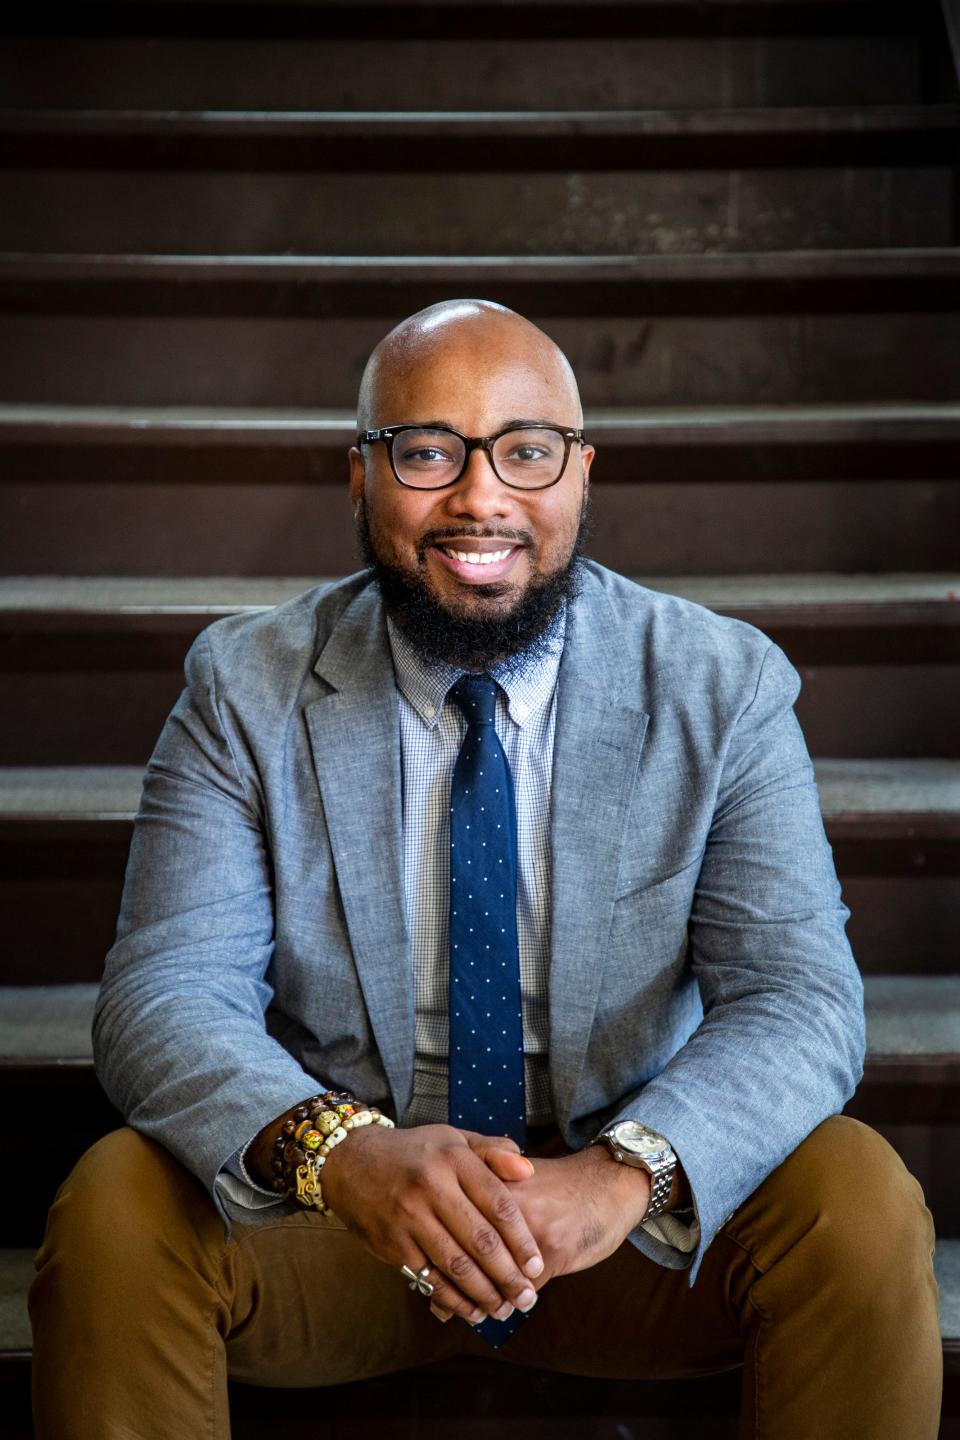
x=474 y=640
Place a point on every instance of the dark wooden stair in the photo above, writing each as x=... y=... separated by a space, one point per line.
x=740 y=219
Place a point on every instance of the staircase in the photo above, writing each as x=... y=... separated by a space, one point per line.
x=740 y=219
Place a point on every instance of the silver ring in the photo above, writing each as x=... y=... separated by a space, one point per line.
x=418 y=1279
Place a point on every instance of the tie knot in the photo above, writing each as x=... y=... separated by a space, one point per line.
x=477 y=697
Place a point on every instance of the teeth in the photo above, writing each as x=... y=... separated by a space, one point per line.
x=475 y=557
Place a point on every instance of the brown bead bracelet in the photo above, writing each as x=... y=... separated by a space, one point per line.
x=306 y=1138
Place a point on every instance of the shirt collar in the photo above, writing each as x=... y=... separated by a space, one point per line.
x=527 y=681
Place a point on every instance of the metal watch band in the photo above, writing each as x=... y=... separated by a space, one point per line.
x=659 y=1192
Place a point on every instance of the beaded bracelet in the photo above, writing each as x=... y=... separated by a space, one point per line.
x=306 y=1139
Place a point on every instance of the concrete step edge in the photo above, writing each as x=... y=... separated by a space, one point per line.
x=138 y=426
x=76 y=596
x=868 y=789
x=909 y=1017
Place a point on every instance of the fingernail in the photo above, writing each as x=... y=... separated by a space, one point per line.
x=441 y=1315
x=505 y=1311
x=533 y=1267
x=526 y=1300
x=475 y=1317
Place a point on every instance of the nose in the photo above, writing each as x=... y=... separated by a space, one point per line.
x=479 y=495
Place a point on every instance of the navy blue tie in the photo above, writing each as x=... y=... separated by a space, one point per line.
x=486 y=1019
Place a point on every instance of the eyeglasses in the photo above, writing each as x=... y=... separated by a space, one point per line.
x=431 y=457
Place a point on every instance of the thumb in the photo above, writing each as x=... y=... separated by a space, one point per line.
x=502 y=1155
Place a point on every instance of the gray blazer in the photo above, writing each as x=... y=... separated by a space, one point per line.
x=700 y=978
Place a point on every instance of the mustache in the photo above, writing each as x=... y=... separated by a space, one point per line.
x=470 y=532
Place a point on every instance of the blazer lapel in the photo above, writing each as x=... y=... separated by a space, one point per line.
x=355 y=738
x=599 y=737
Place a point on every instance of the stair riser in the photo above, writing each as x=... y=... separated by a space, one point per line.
x=713 y=360
x=89 y=714
x=619 y=73
x=525 y=212
x=353 y=289
x=61 y=920
x=61 y=523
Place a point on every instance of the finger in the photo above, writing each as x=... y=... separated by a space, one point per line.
x=501 y=1154
x=448 y=1297
x=481 y=1143
x=473 y=1216
x=508 y=1164
x=497 y=1203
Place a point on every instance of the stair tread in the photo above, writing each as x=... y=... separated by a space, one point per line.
x=16 y=1274
x=870 y=788
x=875 y=263
x=821 y=120
x=84 y=792
x=687 y=425
x=912 y=1015
x=117 y=595
x=888 y=787
x=908 y=1016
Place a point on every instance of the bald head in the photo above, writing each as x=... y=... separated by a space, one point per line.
x=473 y=343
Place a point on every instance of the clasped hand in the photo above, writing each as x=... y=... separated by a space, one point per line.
x=493 y=1226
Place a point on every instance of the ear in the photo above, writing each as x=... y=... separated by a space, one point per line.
x=358 y=475
x=587 y=453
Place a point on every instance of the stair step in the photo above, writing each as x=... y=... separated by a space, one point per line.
x=620 y=56
x=912 y=1021
x=504 y=194
x=773 y=282
x=420 y=19
x=884 y=425
x=88 y=621
x=65 y=834
x=892 y=817
x=16 y=1274
x=436 y=140
x=93 y=665
x=658 y=212
x=95 y=349
x=141 y=489
x=913 y=805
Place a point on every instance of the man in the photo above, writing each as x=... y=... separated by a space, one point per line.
x=657 y=1000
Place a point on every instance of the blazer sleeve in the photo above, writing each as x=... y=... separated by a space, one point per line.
x=781 y=1043
x=180 y=1043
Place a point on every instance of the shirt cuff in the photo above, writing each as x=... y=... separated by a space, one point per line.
x=670 y=1229
x=239 y=1185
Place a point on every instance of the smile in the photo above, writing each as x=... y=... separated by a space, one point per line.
x=477 y=557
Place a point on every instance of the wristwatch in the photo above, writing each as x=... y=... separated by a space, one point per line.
x=634 y=1144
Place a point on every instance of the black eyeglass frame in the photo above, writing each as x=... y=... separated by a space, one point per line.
x=472 y=442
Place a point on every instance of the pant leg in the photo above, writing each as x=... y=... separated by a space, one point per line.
x=141 y=1307
x=821 y=1284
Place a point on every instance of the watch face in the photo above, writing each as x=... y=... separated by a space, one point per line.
x=631 y=1135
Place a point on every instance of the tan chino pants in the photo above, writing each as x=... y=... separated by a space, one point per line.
x=821 y=1286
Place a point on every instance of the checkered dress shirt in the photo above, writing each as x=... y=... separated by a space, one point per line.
x=431 y=733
